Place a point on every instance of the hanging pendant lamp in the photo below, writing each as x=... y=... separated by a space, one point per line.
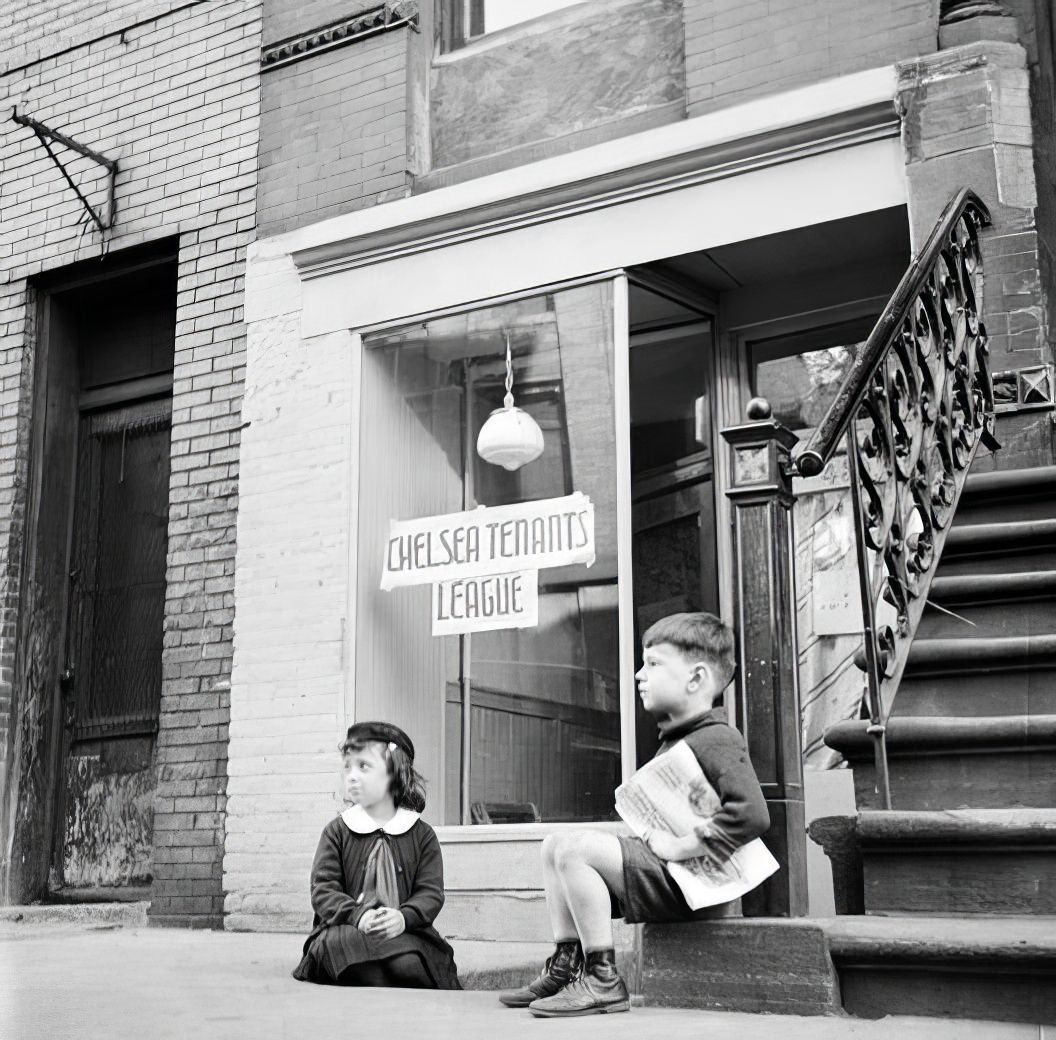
x=510 y=437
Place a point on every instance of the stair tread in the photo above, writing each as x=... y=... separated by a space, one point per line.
x=947 y=731
x=1004 y=536
x=1029 y=481
x=968 y=652
x=912 y=937
x=991 y=587
x=917 y=826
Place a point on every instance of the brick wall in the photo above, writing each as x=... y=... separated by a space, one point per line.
x=738 y=49
x=333 y=133
x=292 y=633
x=176 y=101
x=34 y=29
x=283 y=19
x=968 y=123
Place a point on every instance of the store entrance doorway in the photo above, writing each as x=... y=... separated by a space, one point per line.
x=673 y=491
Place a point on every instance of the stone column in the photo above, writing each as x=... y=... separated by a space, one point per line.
x=768 y=683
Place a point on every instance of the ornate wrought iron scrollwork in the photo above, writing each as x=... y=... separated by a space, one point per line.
x=916 y=404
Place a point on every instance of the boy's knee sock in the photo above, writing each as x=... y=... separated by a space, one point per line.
x=566 y=959
x=602 y=964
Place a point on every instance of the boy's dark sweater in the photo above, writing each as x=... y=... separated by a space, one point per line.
x=723 y=757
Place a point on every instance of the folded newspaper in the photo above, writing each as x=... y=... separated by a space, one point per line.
x=672 y=794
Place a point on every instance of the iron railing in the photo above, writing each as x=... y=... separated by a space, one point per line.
x=913 y=409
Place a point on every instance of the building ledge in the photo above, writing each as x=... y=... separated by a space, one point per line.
x=835 y=113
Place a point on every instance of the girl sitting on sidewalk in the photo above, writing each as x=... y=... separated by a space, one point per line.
x=378 y=876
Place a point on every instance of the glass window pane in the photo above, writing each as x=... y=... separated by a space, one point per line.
x=800 y=375
x=543 y=703
x=500 y=14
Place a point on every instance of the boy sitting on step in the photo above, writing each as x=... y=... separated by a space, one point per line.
x=592 y=876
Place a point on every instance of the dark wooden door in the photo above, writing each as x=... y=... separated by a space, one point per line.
x=114 y=645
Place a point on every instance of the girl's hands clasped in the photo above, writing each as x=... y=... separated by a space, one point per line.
x=383 y=923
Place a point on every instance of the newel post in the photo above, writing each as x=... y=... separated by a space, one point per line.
x=760 y=494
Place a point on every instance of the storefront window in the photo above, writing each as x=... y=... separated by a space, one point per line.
x=510 y=724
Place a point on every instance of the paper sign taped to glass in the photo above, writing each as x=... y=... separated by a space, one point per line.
x=486 y=602
x=671 y=794
x=496 y=540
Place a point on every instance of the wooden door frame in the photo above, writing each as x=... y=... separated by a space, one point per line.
x=54 y=398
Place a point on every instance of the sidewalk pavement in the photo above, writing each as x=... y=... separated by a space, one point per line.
x=106 y=980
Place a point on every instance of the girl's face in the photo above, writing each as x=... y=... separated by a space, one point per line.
x=367 y=778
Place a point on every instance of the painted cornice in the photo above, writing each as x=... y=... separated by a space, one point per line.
x=389 y=16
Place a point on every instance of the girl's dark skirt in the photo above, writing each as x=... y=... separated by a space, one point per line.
x=650 y=893
x=332 y=950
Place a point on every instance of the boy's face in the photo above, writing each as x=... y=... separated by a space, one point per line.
x=366 y=776
x=669 y=681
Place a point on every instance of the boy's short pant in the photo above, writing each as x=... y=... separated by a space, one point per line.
x=650 y=893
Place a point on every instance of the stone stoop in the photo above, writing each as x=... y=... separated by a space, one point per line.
x=996 y=968
x=773 y=965
x=967 y=861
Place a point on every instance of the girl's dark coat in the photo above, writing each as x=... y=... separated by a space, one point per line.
x=337 y=878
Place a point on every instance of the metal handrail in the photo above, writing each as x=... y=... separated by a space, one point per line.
x=830 y=432
x=913 y=409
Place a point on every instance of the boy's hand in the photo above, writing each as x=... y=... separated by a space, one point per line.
x=667 y=847
x=383 y=923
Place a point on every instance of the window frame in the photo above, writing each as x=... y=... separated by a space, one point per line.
x=459 y=18
x=619 y=280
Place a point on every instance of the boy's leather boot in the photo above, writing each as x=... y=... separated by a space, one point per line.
x=560 y=969
x=599 y=990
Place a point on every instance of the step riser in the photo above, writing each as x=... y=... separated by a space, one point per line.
x=954 y=780
x=756 y=966
x=965 y=879
x=994 y=992
x=1021 y=618
x=989 y=693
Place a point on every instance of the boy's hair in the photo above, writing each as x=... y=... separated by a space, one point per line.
x=408 y=785
x=699 y=636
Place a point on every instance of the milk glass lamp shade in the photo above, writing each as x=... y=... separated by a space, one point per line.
x=510 y=437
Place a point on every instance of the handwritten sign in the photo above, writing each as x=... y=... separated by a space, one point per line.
x=489 y=541
x=486 y=602
x=837 y=602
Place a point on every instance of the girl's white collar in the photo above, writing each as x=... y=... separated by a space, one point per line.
x=359 y=821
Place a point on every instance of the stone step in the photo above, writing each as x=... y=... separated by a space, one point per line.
x=777 y=966
x=1011 y=546
x=980 y=654
x=987 y=496
x=952 y=762
x=1000 y=968
x=959 y=861
x=1000 y=605
x=980 y=675
x=995 y=968
x=967 y=590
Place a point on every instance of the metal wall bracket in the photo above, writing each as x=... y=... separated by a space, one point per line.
x=46 y=135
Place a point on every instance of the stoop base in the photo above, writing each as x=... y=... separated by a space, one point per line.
x=753 y=964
